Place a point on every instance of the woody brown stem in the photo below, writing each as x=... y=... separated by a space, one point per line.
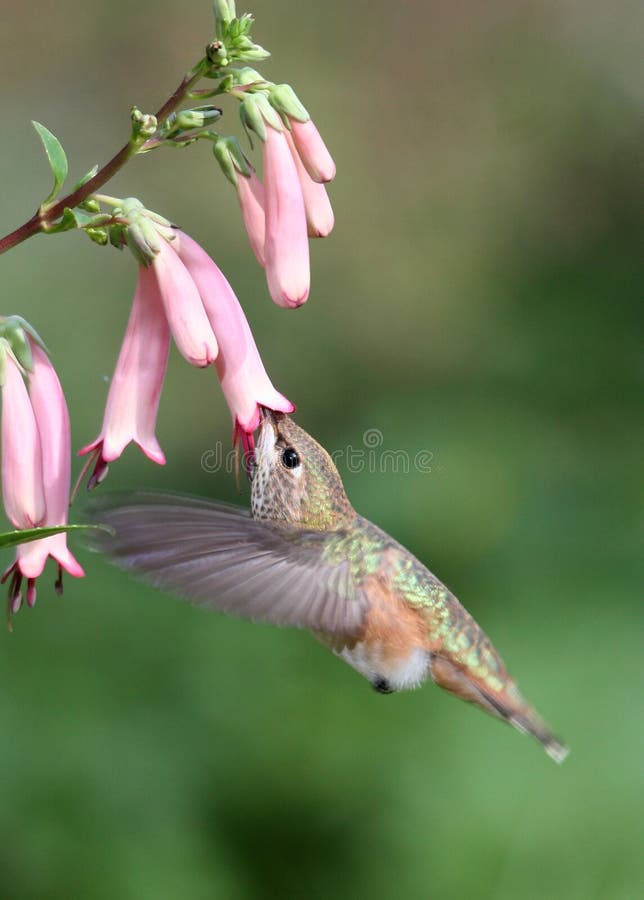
x=44 y=217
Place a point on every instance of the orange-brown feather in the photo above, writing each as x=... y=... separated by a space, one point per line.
x=392 y=625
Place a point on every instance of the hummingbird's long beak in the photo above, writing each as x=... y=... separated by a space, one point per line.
x=266 y=415
x=249 y=447
x=266 y=437
x=267 y=427
x=268 y=423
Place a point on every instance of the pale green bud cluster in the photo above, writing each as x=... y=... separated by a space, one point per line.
x=141 y=229
x=234 y=42
x=262 y=104
x=267 y=103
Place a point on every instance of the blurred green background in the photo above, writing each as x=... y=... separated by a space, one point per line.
x=477 y=301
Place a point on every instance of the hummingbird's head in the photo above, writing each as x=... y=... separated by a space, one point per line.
x=294 y=478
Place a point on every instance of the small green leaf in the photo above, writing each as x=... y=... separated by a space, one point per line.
x=12 y=538
x=98 y=235
x=66 y=223
x=85 y=178
x=56 y=157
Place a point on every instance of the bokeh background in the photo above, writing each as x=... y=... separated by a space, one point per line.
x=477 y=301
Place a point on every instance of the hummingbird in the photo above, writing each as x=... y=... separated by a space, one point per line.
x=305 y=558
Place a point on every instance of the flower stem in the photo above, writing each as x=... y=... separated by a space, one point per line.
x=107 y=200
x=45 y=216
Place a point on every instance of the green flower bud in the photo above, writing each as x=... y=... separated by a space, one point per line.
x=143 y=232
x=251 y=116
x=217 y=53
x=144 y=247
x=144 y=125
x=243 y=42
x=224 y=11
x=231 y=158
x=253 y=54
x=226 y=84
x=98 y=235
x=116 y=234
x=90 y=205
x=246 y=75
x=200 y=117
x=286 y=102
x=242 y=25
x=165 y=224
x=13 y=337
x=256 y=112
x=130 y=207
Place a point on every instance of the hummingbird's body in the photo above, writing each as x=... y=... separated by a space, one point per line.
x=307 y=559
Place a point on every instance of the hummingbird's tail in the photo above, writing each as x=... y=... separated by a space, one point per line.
x=506 y=704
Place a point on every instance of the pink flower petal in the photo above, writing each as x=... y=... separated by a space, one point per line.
x=319 y=213
x=250 y=193
x=31 y=557
x=312 y=151
x=134 y=394
x=183 y=308
x=22 y=475
x=286 y=248
x=52 y=419
x=242 y=374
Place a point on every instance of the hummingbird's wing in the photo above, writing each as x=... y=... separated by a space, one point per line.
x=215 y=555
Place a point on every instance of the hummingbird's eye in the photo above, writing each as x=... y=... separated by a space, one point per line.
x=290 y=458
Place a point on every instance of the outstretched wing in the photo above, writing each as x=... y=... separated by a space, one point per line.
x=215 y=555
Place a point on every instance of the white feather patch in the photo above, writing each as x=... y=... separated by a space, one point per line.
x=402 y=674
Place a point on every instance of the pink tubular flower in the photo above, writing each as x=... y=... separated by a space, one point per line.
x=319 y=213
x=184 y=310
x=286 y=248
x=243 y=378
x=250 y=193
x=135 y=390
x=47 y=448
x=22 y=481
x=312 y=150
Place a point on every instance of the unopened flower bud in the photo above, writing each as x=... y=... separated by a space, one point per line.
x=231 y=158
x=312 y=150
x=256 y=112
x=18 y=337
x=145 y=230
x=247 y=76
x=319 y=213
x=14 y=333
x=200 y=117
x=217 y=53
x=254 y=53
x=224 y=11
x=286 y=101
x=144 y=125
x=286 y=246
x=250 y=193
x=98 y=235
